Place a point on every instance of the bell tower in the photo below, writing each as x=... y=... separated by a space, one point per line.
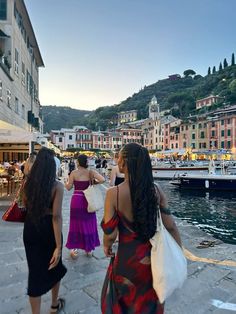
x=154 y=109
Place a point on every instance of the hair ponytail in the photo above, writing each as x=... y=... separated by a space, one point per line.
x=143 y=193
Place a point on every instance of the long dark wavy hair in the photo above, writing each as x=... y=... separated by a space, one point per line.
x=145 y=200
x=39 y=184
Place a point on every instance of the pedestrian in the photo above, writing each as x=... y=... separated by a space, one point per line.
x=58 y=165
x=131 y=210
x=116 y=176
x=42 y=233
x=71 y=166
x=104 y=167
x=29 y=163
x=98 y=163
x=83 y=233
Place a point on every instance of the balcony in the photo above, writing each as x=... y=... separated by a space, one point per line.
x=5 y=65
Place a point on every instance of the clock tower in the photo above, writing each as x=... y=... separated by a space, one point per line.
x=154 y=109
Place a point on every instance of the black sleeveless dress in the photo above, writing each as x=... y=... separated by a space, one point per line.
x=119 y=180
x=39 y=242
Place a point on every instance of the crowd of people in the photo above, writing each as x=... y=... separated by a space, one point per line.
x=130 y=218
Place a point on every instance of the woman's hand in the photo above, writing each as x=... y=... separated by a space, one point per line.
x=55 y=258
x=108 y=251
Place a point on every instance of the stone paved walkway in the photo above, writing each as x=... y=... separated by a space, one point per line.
x=207 y=281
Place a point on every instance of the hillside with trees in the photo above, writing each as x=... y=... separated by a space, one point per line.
x=176 y=93
x=56 y=117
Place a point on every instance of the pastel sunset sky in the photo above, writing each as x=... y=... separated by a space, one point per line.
x=99 y=52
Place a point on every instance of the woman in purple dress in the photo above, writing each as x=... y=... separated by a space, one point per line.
x=83 y=232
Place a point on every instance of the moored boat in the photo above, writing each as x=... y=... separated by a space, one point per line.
x=172 y=172
x=223 y=182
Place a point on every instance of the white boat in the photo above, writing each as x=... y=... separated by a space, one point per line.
x=173 y=172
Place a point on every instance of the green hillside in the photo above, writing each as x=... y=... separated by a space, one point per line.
x=56 y=117
x=178 y=95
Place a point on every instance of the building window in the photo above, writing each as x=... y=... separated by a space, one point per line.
x=70 y=137
x=23 y=73
x=16 y=66
x=200 y=125
x=228 y=121
x=222 y=133
x=202 y=135
x=228 y=144
x=212 y=133
x=222 y=122
x=0 y=90
x=185 y=144
x=60 y=139
x=28 y=82
x=213 y=124
x=16 y=105
x=3 y=9
x=193 y=145
x=229 y=133
x=222 y=144
x=9 y=98
x=193 y=136
x=193 y=126
x=23 y=111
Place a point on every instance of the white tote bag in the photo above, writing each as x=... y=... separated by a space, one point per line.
x=168 y=263
x=94 y=198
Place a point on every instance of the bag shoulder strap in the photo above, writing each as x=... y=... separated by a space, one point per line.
x=90 y=178
x=117 y=198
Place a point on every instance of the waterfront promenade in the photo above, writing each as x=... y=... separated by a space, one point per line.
x=210 y=287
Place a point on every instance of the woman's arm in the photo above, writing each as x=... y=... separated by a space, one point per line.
x=109 y=211
x=69 y=183
x=97 y=176
x=167 y=218
x=113 y=176
x=57 y=223
x=170 y=225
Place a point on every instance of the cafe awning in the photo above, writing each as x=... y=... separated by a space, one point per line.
x=3 y=35
x=12 y=134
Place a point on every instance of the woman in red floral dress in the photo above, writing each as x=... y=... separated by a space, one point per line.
x=131 y=212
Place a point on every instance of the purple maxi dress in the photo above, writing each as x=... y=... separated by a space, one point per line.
x=83 y=233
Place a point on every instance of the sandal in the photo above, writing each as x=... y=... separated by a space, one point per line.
x=74 y=254
x=60 y=306
x=89 y=254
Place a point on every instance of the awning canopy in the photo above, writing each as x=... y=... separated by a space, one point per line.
x=12 y=134
x=3 y=35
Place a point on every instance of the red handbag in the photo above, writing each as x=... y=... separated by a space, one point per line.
x=14 y=213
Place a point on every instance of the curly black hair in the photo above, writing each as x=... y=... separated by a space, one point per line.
x=144 y=197
x=39 y=184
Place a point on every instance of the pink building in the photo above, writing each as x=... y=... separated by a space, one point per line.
x=208 y=101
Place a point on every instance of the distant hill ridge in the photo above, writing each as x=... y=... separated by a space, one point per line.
x=56 y=117
x=178 y=94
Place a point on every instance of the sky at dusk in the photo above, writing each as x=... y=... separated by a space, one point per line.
x=99 y=52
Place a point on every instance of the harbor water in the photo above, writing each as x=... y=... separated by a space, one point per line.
x=212 y=212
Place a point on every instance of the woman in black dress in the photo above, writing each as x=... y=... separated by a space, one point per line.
x=43 y=231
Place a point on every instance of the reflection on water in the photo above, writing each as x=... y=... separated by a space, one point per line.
x=214 y=212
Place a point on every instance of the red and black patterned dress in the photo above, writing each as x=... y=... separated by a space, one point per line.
x=127 y=287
